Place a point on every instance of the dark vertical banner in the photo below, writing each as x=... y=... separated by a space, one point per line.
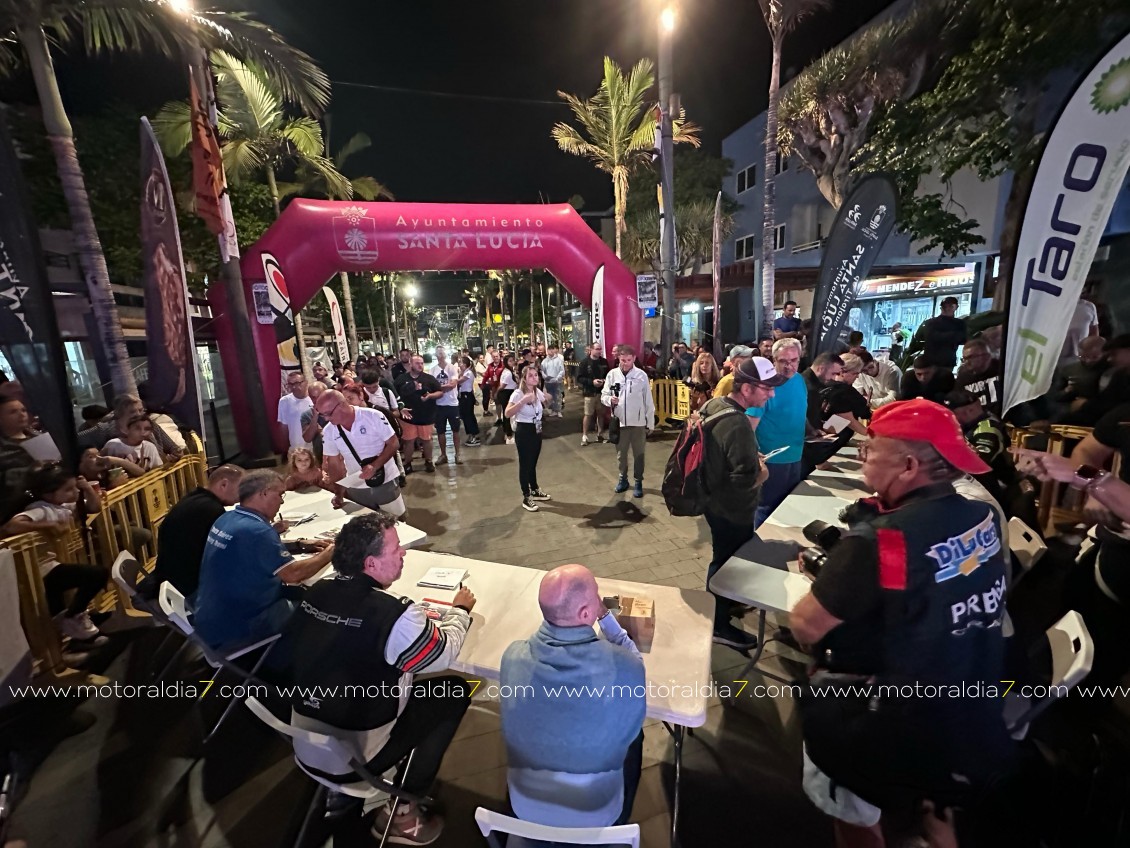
x=171 y=349
x=29 y=333
x=862 y=226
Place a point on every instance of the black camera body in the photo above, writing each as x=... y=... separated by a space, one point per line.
x=824 y=537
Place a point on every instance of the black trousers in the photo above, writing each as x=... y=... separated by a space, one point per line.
x=467 y=413
x=486 y=397
x=428 y=724
x=86 y=580
x=501 y=399
x=725 y=539
x=528 y=441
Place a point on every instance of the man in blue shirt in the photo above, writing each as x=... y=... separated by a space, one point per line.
x=247 y=578
x=788 y=325
x=781 y=424
x=574 y=760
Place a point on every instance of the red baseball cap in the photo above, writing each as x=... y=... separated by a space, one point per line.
x=922 y=420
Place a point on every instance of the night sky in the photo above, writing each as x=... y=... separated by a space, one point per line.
x=502 y=61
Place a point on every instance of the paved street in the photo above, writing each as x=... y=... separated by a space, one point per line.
x=741 y=771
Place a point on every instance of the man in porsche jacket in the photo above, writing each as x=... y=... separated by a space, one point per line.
x=627 y=391
x=351 y=631
x=905 y=622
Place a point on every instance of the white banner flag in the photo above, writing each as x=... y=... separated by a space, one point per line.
x=339 y=326
x=1084 y=162
x=598 y=309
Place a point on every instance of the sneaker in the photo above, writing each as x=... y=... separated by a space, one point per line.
x=410 y=825
x=429 y=467
x=638 y=491
x=584 y=441
x=458 y=459
x=538 y=495
x=78 y=627
x=622 y=486
x=600 y=437
x=442 y=459
x=408 y=469
x=509 y=440
x=734 y=637
x=338 y=804
x=528 y=504
x=497 y=422
x=472 y=442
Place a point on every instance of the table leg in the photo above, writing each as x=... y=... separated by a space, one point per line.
x=756 y=656
x=676 y=732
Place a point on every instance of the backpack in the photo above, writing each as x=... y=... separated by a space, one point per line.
x=683 y=488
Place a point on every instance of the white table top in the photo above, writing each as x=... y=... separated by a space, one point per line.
x=506 y=609
x=330 y=520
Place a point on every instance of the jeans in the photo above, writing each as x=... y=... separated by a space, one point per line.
x=528 y=441
x=633 y=768
x=783 y=478
x=486 y=397
x=634 y=439
x=86 y=580
x=554 y=392
x=467 y=413
x=725 y=539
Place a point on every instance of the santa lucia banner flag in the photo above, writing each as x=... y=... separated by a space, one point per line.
x=1085 y=159
x=338 y=325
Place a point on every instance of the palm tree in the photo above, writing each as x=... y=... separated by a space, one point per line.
x=619 y=129
x=311 y=183
x=781 y=18
x=29 y=28
x=257 y=136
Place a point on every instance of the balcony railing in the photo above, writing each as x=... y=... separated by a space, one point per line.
x=809 y=245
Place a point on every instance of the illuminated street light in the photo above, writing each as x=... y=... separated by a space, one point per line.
x=410 y=290
x=181 y=7
x=667 y=19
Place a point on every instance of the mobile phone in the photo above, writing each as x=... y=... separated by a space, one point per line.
x=776 y=451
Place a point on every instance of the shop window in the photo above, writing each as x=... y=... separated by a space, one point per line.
x=747 y=178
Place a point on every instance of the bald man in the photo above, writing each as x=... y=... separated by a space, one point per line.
x=573 y=724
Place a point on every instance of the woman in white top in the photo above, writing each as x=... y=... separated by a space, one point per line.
x=467 y=403
x=526 y=407
x=507 y=383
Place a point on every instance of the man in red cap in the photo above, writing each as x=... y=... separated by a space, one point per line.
x=908 y=606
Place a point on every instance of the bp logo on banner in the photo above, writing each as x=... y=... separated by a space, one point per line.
x=1085 y=159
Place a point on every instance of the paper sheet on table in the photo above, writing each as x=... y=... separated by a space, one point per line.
x=837 y=423
x=42 y=448
x=352 y=481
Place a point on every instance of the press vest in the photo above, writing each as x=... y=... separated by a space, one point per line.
x=339 y=633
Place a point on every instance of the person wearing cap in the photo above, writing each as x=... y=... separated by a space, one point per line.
x=943 y=334
x=738 y=355
x=732 y=474
x=986 y=435
x=911 y=595
x=781 y=423
x=628 y=392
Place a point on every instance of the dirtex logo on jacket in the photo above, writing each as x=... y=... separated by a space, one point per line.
x=964 y=554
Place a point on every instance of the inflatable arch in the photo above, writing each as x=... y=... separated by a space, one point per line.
x=315 y=239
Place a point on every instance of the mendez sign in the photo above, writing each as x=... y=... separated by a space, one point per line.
x=1084 y=162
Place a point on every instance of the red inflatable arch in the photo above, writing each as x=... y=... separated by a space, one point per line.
x=315 y=239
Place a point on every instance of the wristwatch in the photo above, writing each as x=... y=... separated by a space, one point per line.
x=1089 y=477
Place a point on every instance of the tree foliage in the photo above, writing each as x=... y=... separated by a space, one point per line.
x=694 y=236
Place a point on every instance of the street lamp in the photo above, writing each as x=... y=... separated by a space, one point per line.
x=411 y=291
x=181 y=7
x=667 y=19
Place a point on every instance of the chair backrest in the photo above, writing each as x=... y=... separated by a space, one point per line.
x=490 y=821
x=1073 y=650
x=173 y=605
x=1025 y=543
x=306 y=740
x=124 y=572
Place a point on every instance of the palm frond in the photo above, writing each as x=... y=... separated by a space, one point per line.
x=115 y=26
x=368 y=188
x=355 y=144
x=306 y=136
x=287 y=189
x=336 y=184
x=173 y=127
x=245 y=95
x=242 y=158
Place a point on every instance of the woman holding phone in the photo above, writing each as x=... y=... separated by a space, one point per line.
x=526 y=407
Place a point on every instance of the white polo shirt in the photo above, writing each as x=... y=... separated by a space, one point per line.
x=369 y=435
x=447 y=374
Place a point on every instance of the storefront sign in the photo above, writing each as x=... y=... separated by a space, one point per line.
x=1085 y=159
x=887 y=287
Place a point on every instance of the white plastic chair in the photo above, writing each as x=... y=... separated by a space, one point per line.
x=1025 y=543
x=125 y=571
x=173 y=605
x=1072 y=652
x=490 y=822
x=370 y=787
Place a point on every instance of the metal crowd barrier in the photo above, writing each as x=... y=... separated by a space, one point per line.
x=140 y=503
x=672 y=401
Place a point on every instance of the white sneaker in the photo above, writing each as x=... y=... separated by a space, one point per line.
x=78 y=627
x=509 y=440
x=584 y=440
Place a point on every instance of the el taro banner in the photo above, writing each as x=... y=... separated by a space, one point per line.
x=172 y=383
x=1085 y=158
x=861 y=227
x=29 y=335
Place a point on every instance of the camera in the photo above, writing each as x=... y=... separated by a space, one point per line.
x=824 y=537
